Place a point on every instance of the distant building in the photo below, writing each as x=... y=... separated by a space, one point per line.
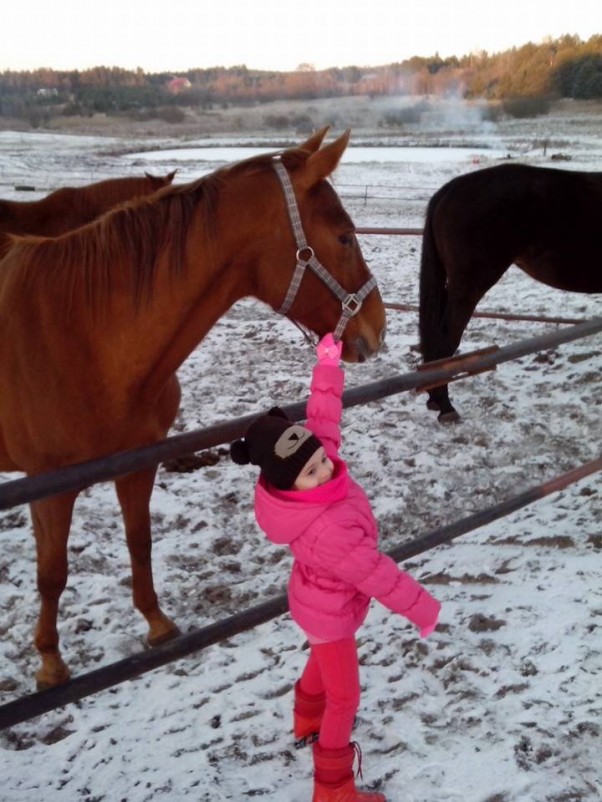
x=178 y=85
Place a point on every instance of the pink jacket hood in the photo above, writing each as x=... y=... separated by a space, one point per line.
x=284 y=515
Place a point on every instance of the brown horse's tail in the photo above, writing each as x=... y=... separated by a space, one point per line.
x=433 y=292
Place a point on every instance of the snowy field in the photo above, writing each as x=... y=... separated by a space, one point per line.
x=502 y=704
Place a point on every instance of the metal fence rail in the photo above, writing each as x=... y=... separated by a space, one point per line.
x=84 y=474
x=28 y=707
x=402 y=232
x=493 y=315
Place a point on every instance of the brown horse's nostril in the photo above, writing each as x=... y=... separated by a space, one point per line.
x=363 y=349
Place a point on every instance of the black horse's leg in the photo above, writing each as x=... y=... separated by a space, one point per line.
x=438 y=397
x=457 y=268
x=458 y=315
x=450 y=332
x=459 y=310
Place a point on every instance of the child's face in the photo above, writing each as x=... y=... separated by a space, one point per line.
x=316 y=471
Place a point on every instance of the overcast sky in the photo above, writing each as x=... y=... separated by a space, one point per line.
x=275 y=34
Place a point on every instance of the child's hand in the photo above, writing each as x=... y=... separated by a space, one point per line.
x=426 y=631
x=425 y=613
x=329 y=350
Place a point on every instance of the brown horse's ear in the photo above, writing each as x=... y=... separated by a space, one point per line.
x=168 y=178
x=323 y=162
x=315 y=140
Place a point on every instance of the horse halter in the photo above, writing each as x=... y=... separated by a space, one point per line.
x=351 y=303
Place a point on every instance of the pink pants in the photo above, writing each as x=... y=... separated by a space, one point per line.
x=333 y=668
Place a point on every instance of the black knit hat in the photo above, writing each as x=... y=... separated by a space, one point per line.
x=278 y=446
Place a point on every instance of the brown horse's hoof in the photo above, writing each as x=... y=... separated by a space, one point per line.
x=46 y=679
x=42 y=685
x=449 y=417
x=166 y=636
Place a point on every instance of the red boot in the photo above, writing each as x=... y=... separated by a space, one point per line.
x=308 y=713
x=333 y=777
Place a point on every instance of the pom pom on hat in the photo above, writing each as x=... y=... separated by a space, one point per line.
x=240 y=453
x=279 y=447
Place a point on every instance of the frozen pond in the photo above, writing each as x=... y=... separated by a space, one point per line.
x=353 y=155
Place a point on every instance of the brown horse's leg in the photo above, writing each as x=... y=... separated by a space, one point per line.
x=51 y=523
x=134 y=492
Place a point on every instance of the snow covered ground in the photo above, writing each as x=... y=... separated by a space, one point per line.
x=502 y=704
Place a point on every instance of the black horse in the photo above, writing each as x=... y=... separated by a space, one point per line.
x=546 y=221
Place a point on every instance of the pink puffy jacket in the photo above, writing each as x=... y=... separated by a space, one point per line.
x=333 y=536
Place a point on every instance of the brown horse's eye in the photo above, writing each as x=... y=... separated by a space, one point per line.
x=346 y=239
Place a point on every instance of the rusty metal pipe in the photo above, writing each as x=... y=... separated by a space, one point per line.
x=131 y=667
x=403 y=232
x=84 y=474
x=493 y=315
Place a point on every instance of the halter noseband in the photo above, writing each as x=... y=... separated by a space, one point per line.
x=351 y=303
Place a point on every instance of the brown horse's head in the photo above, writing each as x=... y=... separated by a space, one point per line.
x=330 y=234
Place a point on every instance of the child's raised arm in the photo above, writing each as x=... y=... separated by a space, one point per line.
x=324 y=406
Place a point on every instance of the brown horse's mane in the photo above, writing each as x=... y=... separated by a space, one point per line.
x=110 y=190
x=134 y=235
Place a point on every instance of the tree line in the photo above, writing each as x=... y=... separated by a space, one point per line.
x=566 y=67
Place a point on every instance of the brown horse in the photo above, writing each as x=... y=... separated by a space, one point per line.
x=546 y=221
x=89 y=349
x=70 y=207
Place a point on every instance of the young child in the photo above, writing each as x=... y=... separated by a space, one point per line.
x=306 y=499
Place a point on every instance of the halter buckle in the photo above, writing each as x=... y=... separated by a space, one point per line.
x=302 y=250
x=351 y=305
